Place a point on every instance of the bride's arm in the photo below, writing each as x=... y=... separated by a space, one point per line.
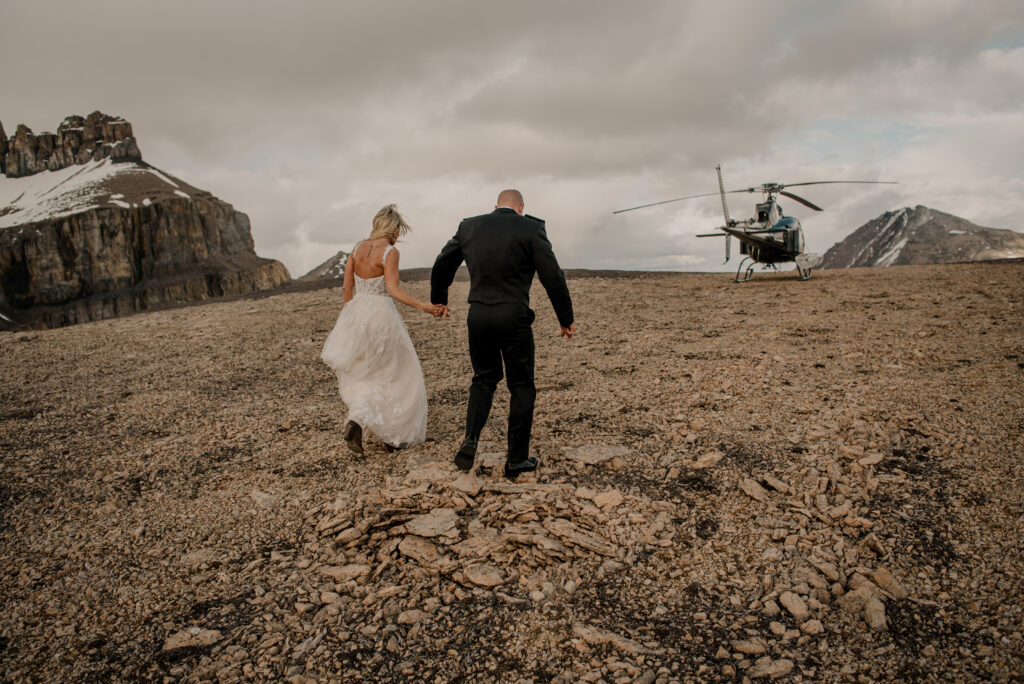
x=396 y=291
x=350 y=279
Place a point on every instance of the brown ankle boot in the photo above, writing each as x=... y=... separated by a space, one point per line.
x=354 y=437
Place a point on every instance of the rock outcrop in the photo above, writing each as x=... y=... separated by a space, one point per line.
x=3 y=147
x=921 y=235
x=77 y=141
x=90 y=231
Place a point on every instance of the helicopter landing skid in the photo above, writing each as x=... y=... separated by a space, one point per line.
x=746 y=270
x=748 y=273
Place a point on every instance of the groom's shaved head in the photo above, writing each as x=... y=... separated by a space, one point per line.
x=512 y=199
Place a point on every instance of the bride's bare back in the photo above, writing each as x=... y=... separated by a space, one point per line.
x=368 y=261
x=368 y=258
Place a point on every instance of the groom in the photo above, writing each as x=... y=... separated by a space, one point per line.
x=502 y=251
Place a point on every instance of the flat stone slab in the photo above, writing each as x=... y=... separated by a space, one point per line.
x=440 y=522
x=486 y=576
x=418 y=548
x=344 y=573
x=706 y=460
x=753 y=490
x=596 y=636
x=595 y=454
x=194 y=637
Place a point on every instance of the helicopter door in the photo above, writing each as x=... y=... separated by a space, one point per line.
x=764 y=213
x=794 y=240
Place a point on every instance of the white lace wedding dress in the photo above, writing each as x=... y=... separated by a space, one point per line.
x=379 y=374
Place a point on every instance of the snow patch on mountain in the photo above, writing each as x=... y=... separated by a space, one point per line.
x=52 y=194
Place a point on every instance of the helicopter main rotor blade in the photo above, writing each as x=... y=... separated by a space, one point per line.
x=793 y=185
x=778 y=188
x=801 y=200
x=654 y=204
x=679 y=199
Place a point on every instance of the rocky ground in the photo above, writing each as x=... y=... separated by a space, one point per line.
x=810 y=481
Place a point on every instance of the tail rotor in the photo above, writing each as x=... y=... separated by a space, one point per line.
x=725 y=212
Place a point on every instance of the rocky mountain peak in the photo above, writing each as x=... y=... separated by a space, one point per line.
x=78 y=140
x=332 y=269
x=921 y=235
x=89 y=231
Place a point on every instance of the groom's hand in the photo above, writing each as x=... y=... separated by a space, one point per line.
x=567 y=333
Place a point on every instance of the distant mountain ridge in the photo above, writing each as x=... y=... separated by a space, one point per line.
x=89 y=231
x=332 y=269
x=920 y=235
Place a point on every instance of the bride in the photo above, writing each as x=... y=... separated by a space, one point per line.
x=379 y=374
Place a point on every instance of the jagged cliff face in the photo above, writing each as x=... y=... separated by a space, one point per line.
x=3 y=147
x=78 y=140
x=332 y=269
x=921 y=235
x=89 y=231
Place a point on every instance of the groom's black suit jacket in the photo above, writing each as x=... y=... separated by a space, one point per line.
x=502 y=251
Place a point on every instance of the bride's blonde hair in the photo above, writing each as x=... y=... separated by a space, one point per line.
x=388 y=223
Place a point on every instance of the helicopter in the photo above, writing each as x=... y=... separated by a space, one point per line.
x=770 y=238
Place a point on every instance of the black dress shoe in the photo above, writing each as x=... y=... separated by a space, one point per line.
x=527 y=465
x=354 y=437
x=467 y=452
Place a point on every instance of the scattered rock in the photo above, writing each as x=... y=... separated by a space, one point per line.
x=812 y=627
x=192 y=638
x=467 y=484
x=871 y=459
x=864 y=603
x=411 y=617
x=750 y=646
x=486 y=576
x=200 y=557
x=766 y=667
x=707 y=459
x=346 y=573
x=440 y=522
x=775 y=483
x=795 y=605
x=597 y=636
x=595 y=454
x=606 y=501
x=753 y=490
x=262 y=499
x=418 y=549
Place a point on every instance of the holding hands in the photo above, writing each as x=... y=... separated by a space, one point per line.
x=435 y=310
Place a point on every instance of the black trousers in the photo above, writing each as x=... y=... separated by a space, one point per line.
x=501 y=335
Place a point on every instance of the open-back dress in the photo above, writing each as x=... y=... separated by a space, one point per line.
x=379 y=374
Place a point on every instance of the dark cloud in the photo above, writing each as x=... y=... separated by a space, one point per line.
x=311 y=115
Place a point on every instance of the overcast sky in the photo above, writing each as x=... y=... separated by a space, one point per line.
x=309 y=116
